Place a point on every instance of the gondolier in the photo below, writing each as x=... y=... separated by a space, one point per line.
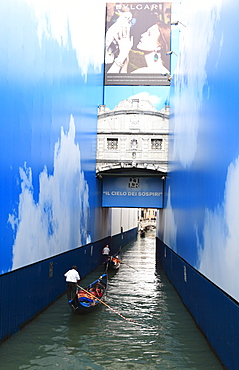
x=72 y=278
x=106 y=252
x=106 y=255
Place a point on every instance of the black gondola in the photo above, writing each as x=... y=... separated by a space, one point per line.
x=86 y=300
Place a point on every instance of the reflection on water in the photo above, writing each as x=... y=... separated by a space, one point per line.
x=163 y=337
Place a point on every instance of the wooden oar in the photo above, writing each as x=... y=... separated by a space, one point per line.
x=112 y=309
x=128 y=265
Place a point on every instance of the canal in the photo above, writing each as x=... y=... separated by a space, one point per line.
x=163 y=335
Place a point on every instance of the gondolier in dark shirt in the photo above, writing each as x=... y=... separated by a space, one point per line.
x=72 y=277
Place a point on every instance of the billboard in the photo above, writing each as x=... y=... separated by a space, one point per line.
x=136 y=192
x=137 y=40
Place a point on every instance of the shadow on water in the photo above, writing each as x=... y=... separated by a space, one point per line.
x=163 y=337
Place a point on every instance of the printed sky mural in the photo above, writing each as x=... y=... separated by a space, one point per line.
x=202 y=205
x=51 y=85
x=60 y=218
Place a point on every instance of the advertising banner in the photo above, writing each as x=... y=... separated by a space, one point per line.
x=137 y=192
x=137 y=40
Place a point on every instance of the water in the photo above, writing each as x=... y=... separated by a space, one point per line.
x=163 y=335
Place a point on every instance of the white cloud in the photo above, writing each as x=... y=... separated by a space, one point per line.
x=219 y=255
x=76 y=23
x=59 y=221
x=190 y=74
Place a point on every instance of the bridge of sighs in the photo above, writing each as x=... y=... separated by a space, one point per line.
x=132 y=154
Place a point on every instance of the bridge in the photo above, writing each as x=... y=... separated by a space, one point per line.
x=132 y=154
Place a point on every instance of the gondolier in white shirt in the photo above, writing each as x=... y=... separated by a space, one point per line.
x=106 y=251
x=106 y=255
x=72 y=277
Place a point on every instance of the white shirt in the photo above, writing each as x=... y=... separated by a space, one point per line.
x=72 y=276
x=106 y=251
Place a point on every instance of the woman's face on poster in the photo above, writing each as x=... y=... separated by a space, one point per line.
x=149 y=40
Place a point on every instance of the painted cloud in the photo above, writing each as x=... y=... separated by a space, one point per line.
x=59 y=220
x=72 y=23
x=190 y=75
x=219 y=255
x=170 y=226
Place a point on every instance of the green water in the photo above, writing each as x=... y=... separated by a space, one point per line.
x=163 y=336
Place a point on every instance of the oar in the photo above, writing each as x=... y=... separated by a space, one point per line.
x=128 y=265
x=94 y=297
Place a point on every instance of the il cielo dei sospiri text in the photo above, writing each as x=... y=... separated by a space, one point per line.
x=133 y=193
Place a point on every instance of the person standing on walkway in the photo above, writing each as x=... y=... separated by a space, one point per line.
x=72 y=277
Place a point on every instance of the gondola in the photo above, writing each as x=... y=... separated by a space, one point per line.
x=114 y=263
x=86 y=300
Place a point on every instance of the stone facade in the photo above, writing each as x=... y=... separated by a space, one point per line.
x=132 y=135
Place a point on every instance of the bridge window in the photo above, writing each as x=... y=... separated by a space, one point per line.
x=134 y=144
x=156 y=144
x=112 y=144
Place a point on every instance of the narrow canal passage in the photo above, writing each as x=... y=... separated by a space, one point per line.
x=165 y=337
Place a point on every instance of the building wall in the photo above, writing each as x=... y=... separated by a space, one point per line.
x=134 y=134
x=50 y=211
x=199 y=223
x=123 y=219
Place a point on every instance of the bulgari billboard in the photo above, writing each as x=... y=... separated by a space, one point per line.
x=137 y=40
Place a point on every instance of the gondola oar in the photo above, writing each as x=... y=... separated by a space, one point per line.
x=128 y=265
x=96 y=298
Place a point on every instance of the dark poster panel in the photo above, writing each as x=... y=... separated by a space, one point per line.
x=136 y=44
